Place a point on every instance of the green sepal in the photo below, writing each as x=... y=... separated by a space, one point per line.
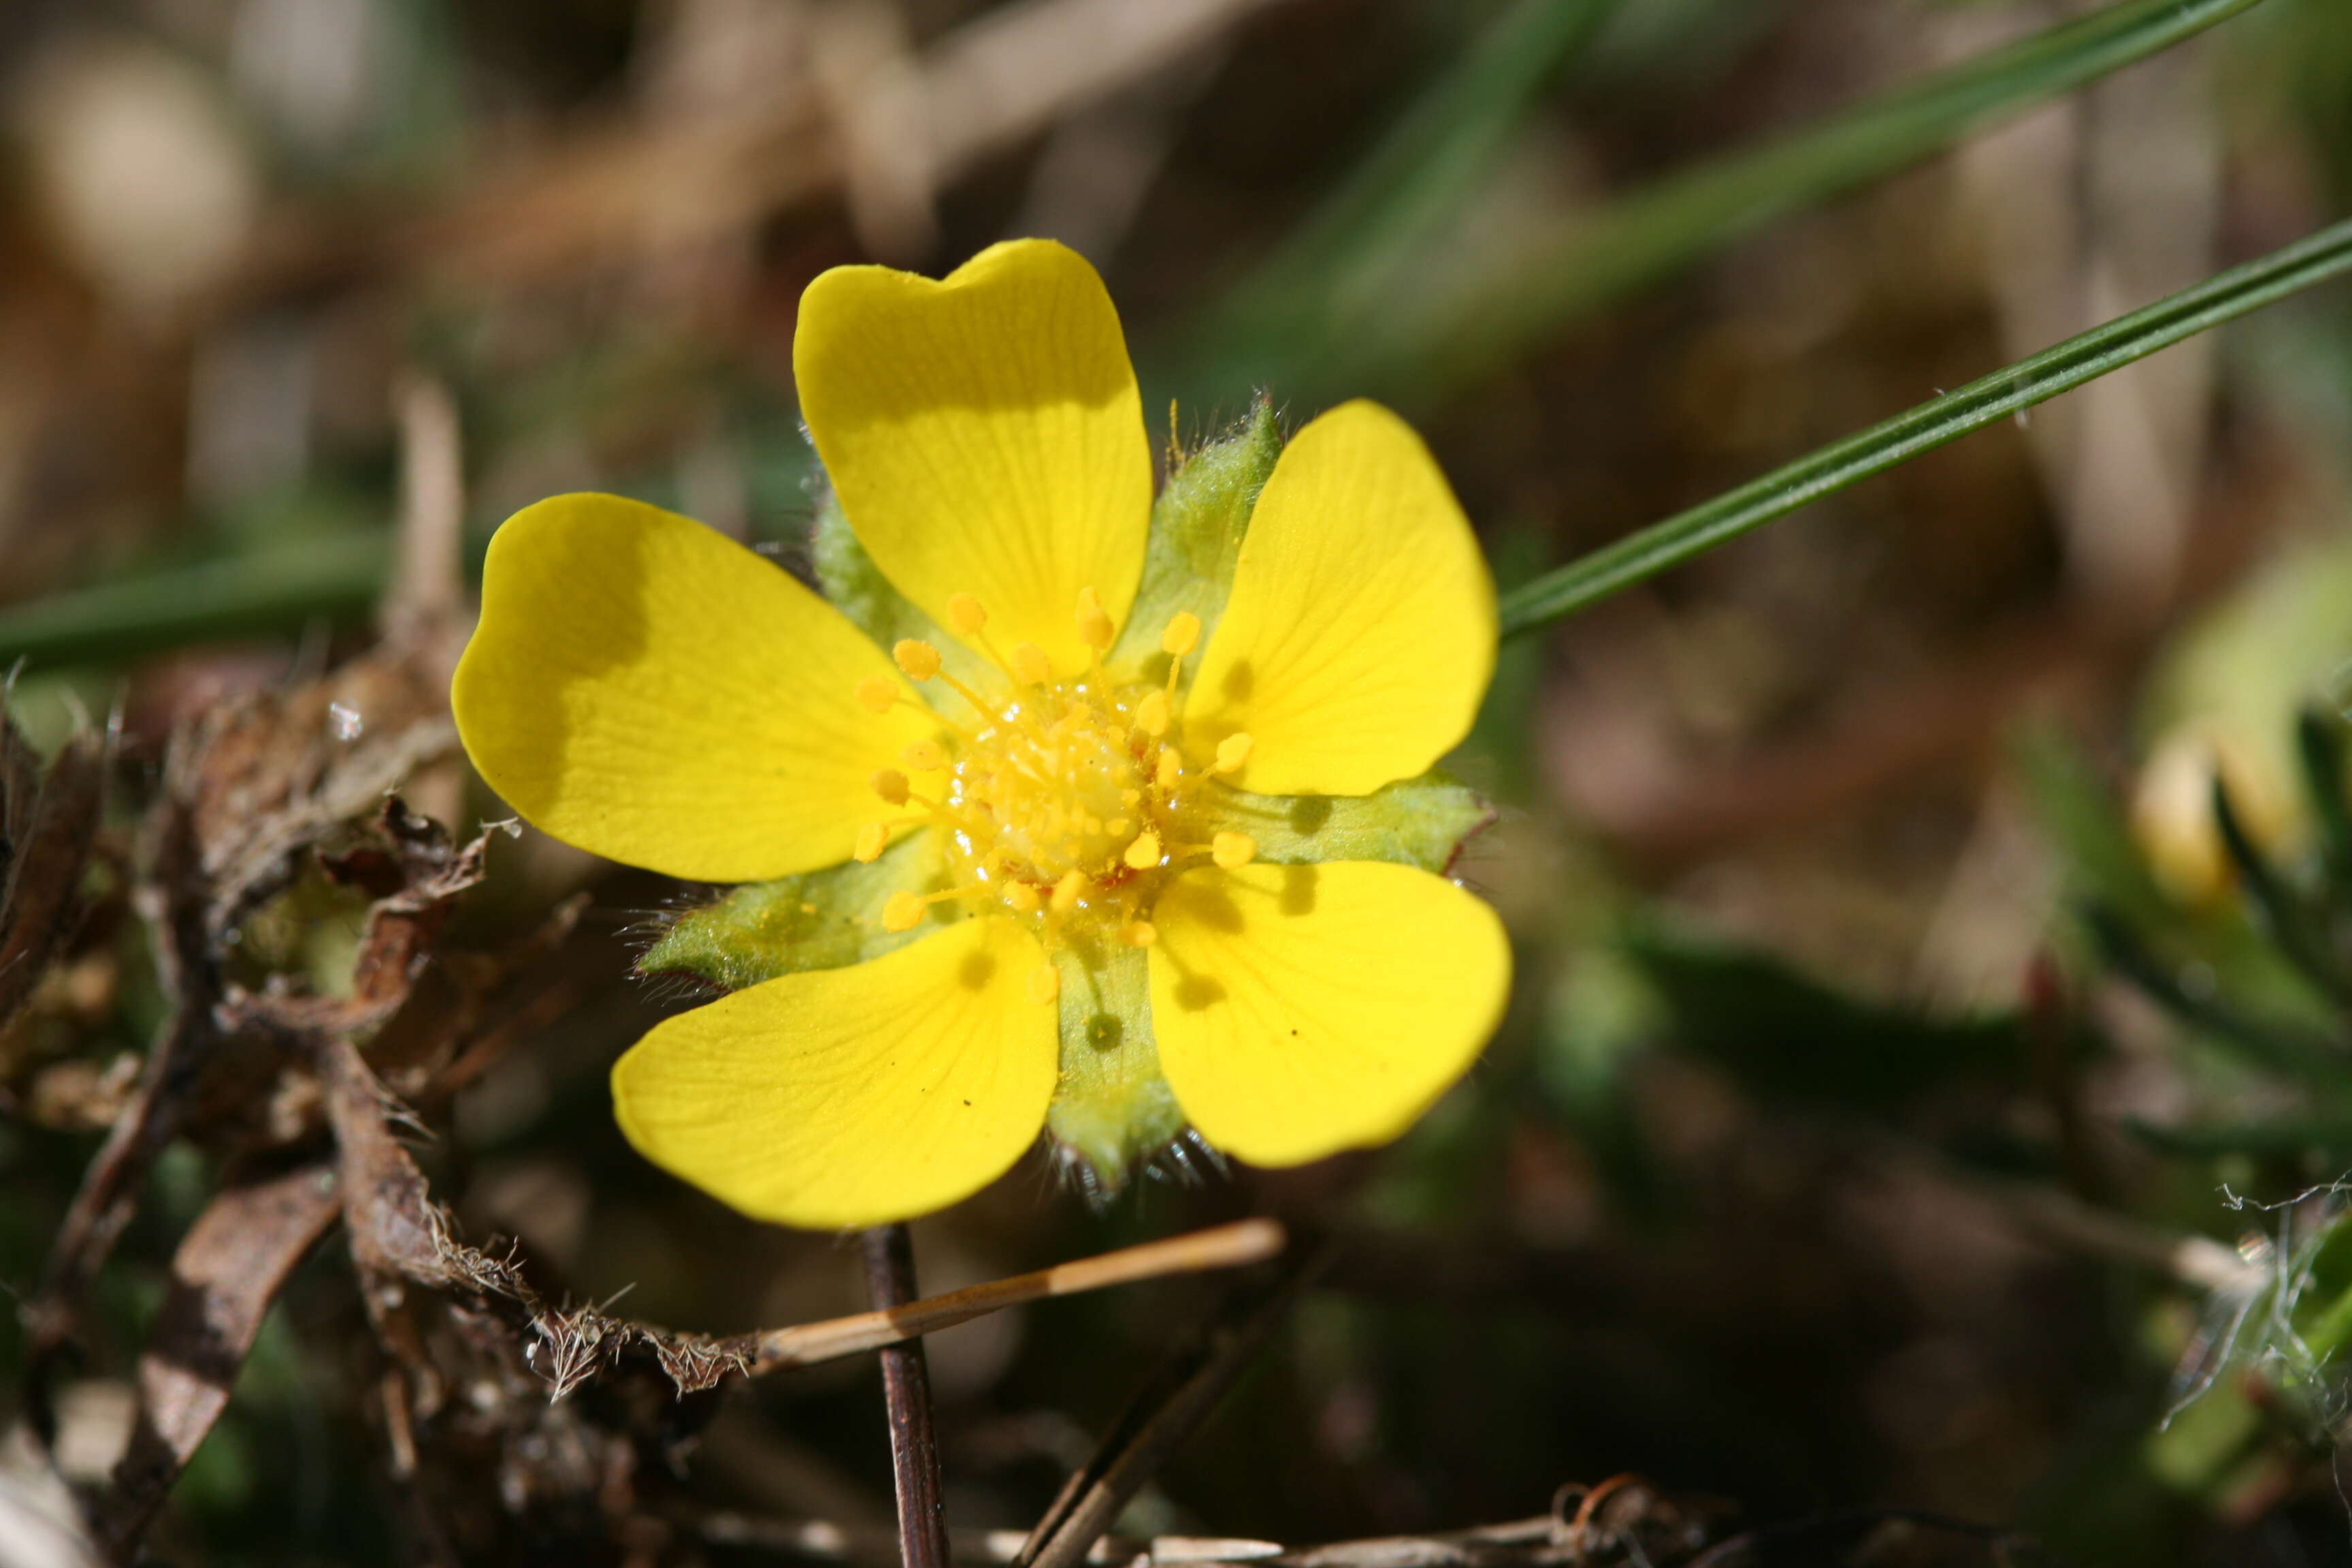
x=1112 y=1110
x=817 y=919
x=1414 y=822
x=1197 y=526
x=855 y=586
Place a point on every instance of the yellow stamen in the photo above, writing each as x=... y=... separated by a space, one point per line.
x=902 y=912
x=1138 y=933
x=1095 y=628
x=980 y=704
x=1030 y=665
x=877 y=694
x=872 y=839
x=1152 y=714
x=891 y=785
x=1183 y=633
x=926 y=757
x=1171 y=770
x=1233 y=850
x=1023 y=897
x=966 y=614
x=1069 y=891
x=919 y=660
x=1144 y=853
x=1232 y=751
x=1044 y=983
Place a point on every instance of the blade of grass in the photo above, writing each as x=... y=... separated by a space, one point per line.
x=338 y=576
x=2319 y=748
x=1462 y=313
x=2084 y=357
x=2277 y=1046
x=2275 y=905
x=1416 y=176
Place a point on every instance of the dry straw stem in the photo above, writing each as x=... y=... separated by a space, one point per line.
x=1223 y=1247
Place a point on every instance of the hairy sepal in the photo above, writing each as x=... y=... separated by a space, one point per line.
x=1113 y=1110
x=818 y=920
x=1197 y=526
x=1418 y=822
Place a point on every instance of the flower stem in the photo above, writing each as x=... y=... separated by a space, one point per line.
x=906 y=1395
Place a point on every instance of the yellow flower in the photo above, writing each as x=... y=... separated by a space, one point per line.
x=1085 y=893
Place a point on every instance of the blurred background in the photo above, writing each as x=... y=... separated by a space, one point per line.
x=1891 y=1001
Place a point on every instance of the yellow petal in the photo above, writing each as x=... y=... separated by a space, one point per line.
x=857 y=1096
x=1305 y=1009
x=645 y=687
x=984 y=436
x=1360 y=632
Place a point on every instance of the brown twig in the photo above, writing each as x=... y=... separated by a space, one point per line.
x=907 y=1393
x=175 y=901
x=1632 y=1523
x=1159 y=1420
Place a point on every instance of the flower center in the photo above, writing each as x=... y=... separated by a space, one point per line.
x=1038 y=798
x=1064 y=803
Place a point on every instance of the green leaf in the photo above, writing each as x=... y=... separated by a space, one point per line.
x=1414 y=822
x=1112 y=1109
x=1464 y=310
x=1790 y=1037
x=818 y=920
x=1197 y=526
x=2084 y=357
x=334 y=577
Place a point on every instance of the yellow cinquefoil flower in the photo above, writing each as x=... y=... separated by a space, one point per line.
x=1038 y=864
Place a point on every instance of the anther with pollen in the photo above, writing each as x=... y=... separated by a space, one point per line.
x=1232 y=751
x=1095 y=627
x=921 y=660
x=1030 y=665
x=1233 y=850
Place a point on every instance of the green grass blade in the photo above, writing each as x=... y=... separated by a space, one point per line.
x=2085 y=357
x=1459 y=313
x=2319 y=751
x=2276 y=907
x=1418 y=174
x=338 y=576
